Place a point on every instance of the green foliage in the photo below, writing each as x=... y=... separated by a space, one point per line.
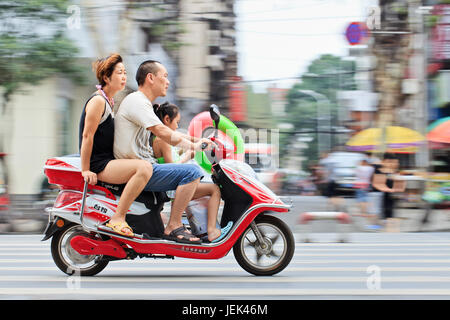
x=259 y=110
x=32 y=44
x=159 y=30
x=431 y=20
x=326 y=76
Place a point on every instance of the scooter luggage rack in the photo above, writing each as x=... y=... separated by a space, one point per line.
x=83 y=202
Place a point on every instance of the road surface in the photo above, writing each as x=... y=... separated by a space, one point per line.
x=371 y=266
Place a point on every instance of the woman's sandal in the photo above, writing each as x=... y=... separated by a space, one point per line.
x=181 y=231
x=118 y=227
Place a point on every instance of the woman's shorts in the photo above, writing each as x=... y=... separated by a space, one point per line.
x=98 y=165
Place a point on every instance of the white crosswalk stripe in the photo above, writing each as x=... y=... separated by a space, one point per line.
x=406 y=269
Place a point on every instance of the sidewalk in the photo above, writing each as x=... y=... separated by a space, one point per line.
x=410 y=219
x=379 y=238
x=410 y=222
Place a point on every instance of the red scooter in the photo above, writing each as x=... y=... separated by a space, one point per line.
x=262 y=243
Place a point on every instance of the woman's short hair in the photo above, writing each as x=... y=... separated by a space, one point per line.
x=104 y=67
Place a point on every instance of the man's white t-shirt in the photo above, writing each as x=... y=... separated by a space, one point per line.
x=131 y=137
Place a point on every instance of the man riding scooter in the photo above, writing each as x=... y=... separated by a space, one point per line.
x=262 y=243
x=134 y=123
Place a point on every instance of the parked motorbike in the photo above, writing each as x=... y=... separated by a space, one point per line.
x=262 y=243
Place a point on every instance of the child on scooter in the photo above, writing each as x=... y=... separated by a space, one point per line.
x=164 y=153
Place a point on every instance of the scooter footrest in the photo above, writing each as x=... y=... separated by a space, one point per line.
x=109 y=231
x=147 y=237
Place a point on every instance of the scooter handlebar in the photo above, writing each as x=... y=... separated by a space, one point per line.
x=205 y=145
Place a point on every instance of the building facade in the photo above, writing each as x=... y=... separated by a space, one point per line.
x=194 y=39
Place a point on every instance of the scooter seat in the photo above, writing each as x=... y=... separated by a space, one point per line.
x=115 y=189
x=149 y=198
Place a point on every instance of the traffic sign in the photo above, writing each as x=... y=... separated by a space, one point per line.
x=356 y=33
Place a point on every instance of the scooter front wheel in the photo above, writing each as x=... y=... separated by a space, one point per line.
x=68 y=260
x=272 y=254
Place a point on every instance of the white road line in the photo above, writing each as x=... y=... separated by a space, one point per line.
x=297 y=254
x=24 y=254
x=371 y=244
x=349 y=249
x=159 y=293
x=372 y=254
x=298 y=250
x=212 y=269
x=232 y=261
x=298 y=244
x=249 y=279
x=6 y=246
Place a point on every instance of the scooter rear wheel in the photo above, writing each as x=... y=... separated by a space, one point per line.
x=269 y=257
x=68 y=260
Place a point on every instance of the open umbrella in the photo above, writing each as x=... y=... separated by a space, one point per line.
x=439 y=131
x=396 y=139
x=436 y=123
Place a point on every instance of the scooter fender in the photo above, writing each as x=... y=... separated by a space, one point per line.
x=251 y=214
x=53 y=227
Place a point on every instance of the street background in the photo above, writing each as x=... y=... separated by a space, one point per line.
x=315 y=86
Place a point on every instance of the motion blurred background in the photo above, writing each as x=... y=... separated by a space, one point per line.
x=306 y=76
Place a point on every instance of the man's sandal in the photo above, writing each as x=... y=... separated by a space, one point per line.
x=118 y=228
x=181 y=231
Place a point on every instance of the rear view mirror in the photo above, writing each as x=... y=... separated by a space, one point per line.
x=215 y=114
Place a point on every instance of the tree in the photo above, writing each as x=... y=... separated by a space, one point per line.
x=33 y=46
x=392 y=51
x=325 y=76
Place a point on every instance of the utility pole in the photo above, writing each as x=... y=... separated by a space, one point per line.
x=423 y=156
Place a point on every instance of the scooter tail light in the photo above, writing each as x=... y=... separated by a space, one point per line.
x=67 y=197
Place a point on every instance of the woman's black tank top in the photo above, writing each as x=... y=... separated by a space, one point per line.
x=102 y=149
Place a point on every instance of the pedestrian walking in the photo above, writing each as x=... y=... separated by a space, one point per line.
x=364 y=173
x=386 y=181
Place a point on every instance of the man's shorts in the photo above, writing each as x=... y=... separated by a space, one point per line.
x=168 y=176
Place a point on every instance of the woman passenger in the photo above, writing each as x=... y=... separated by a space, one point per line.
x=96 y=142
